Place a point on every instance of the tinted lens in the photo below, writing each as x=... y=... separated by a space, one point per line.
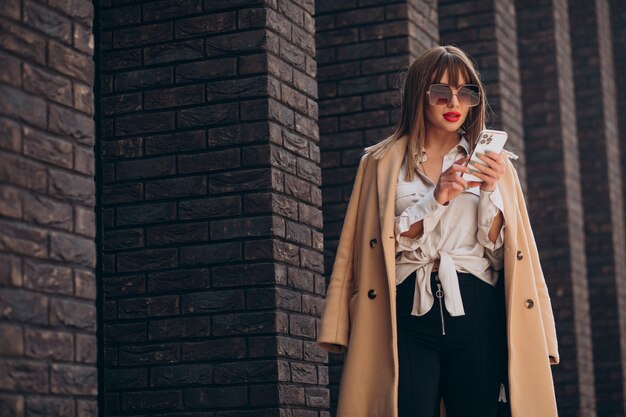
x=439 y=94
x=469 y=95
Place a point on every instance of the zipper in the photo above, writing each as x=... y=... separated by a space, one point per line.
x=439 y=295
x=502 y=396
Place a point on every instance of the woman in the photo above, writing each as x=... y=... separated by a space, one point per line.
x=437 y=291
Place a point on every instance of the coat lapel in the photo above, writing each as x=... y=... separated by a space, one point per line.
x=387 y=172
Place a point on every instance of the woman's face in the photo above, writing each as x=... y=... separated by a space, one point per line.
x=444 y=117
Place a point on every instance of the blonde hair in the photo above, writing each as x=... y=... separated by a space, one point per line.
x=429 y=68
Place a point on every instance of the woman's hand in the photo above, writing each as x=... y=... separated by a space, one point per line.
x=490 y=173
x=450 y=184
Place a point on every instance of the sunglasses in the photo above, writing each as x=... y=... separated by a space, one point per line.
x=441 y=94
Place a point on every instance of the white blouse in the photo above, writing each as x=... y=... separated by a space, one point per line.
x=456 y=234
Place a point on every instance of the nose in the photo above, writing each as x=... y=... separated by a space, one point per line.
x=454 y=101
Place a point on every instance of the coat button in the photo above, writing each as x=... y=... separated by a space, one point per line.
x=371 y=294
x=529 y=303
x=373 y=243
x=519 y=255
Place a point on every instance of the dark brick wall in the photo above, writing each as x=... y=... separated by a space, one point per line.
x=362 y=53
x=47 y=225
x=212 y=216
x=487 y=31
x=554 y=194
x=603 y=200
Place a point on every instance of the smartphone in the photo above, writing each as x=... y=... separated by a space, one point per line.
x=488 y=140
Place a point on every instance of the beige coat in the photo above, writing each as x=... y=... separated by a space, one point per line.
x=360 y=310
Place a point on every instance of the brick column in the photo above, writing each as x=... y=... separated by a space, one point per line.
x=487 y=31
x=555 y=191
x=47 y=197
x=362 y=52
x=212 y=222
x=603 y=197
x=618 y=25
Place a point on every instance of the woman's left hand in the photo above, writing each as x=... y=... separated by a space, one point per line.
x=490 y=173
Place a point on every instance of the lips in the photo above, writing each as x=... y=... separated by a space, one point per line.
x=452 y=116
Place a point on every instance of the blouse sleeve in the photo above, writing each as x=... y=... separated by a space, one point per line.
x=488 y=205
x=426 y=208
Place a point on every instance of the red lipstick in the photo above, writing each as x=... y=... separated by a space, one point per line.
x=452 y=116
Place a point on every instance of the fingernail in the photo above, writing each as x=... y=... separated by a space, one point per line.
x=472 y=162
x=472 y=171
x=487 y=151
x=478 y=154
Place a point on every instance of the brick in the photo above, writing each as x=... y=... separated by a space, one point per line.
x=182 y=375
x=176 y=188
x=73 y=249
x=253 y=179
x=178 y=233
x=28 y=376
x=188 y=279
x=170 y=8
x=125 y=333
x=142 y=35
x=207 y=115
x=249 y=323
x=11 y=132
x=143 y=78
x=203 y=25
x=145 y=168
x=73 y=379
x=12 y=341
x=21 y=239
x=174 y=97
x=44 y=344
x=218 y=349
x=71 y=124
x=210 y=161
x=122 y=193
x=71 y=63
x=47 y=21
x=86 y=408
x=123 y=239
x=157 y=400
x=47 y=212
x=237 y=89
x=121 y=103
x=22 y=42
x=144 y=123
x=209 y=254
x=206 y=70
x=73 y=314
x=22 y=106
x=147 y=260
x=47 y=277
x=209 y=207
x=237 y=228
x=122 y=148
x=85 y=284
x=47 y=84
x=149 y=307
x=212 y=302
x=173 y=52
x=126 y=379
x=175 y=143
x=124 y=285
x=179 y=327
x=12 y=405
x=236 y=42
x=218 y=397
x=148 y=213
x=39 y=406
x=148 y=354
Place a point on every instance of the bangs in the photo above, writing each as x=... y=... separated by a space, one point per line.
x=456 y=70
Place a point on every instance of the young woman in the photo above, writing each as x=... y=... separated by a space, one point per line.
x=437 y=293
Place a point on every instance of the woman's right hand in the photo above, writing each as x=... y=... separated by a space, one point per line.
x=450 y=184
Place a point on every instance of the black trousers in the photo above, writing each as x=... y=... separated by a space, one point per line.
x=466 y=365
